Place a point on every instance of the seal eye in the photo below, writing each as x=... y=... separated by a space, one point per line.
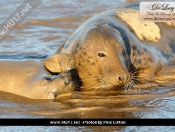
x=101 y=55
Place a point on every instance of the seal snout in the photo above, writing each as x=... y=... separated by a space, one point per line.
x=123 y=79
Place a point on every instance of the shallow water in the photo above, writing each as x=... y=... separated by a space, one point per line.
x=38 y=37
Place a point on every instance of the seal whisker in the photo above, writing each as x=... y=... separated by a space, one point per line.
x=95 y=75
x=132 y=86
x=88 y=78
x=135 y=84
x=92 y=83
x=132 y=73
x=139 y=77
x=126 y=86
x=132 y=83
x=111 y=87
x=89 y=85
x=100 y=87
x=136 y=79
x=103 y=89
x=129 y=85
x=107 y=85
x=103 y=86
x=96 y=87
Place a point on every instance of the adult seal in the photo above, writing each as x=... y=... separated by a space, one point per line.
x=113 y=49
x=28 y=78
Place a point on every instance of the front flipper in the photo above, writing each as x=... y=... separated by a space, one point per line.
x=144 y=78
x=166 y=75
x=147 y=85
x=59 y=63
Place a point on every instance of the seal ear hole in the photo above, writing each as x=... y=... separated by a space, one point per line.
x=101 y=55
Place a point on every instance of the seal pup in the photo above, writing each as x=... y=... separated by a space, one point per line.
x=29 y=78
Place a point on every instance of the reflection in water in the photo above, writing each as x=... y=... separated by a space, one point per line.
x=119 y=104
x=40 y=36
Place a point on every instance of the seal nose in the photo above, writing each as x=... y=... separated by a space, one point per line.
x=120 y=79
x=123 y=79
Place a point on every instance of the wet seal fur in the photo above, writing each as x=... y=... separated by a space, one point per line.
x=29 y=78
x=110 y=53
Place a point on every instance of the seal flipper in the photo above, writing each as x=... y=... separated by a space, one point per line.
x=144 y=78
x=166 y=75
x=59 y=63
x=163 y=77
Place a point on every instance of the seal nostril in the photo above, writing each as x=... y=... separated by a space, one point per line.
x=120 y=79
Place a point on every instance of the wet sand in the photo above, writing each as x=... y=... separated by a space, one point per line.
x=38 y=37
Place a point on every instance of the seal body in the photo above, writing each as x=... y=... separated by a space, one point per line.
x=29 y=78
x=108 y=54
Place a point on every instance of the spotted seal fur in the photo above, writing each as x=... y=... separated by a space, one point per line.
x=109 y=53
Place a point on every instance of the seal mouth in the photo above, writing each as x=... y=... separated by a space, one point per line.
x=98 y=82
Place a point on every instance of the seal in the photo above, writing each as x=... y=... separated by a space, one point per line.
x=29 y=78
x=113 y=49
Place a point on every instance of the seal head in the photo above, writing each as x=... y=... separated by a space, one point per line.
x=101 y=58
x=65 y=82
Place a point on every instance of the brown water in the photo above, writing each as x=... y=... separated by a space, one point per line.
x=38 y=37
